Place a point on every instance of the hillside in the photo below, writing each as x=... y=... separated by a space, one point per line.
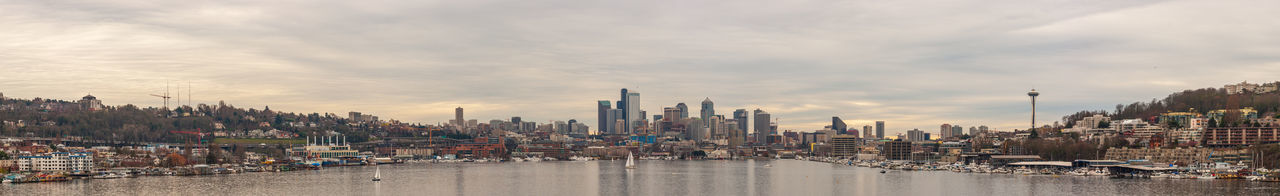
x=1202 y=100
x=65 y=119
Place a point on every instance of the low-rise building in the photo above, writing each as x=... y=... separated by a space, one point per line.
x=1240 y=136
x=57 y=161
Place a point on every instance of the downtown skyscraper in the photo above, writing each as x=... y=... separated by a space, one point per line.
x=880 y=129
x=740 y=117
x=708 y=110
x=763 y=126
x=602 y=114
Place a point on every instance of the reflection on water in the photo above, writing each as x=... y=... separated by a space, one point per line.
x=785 y=177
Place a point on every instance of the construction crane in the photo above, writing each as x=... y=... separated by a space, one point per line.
x=166 y=99
x=199 y=140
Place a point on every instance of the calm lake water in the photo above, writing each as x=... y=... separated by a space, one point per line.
x=785 y=177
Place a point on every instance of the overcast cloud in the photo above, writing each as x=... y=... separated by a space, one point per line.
x=915 y=64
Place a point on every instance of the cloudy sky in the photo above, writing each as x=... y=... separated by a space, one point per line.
x=915 y=64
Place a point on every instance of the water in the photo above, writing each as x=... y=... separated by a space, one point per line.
x=785 y=177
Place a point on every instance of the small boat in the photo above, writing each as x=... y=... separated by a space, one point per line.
x=768 y=165
x=882 y=171
x=631 y=163
x=377 y=174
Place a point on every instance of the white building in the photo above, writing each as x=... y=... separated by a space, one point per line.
x=58 y=161
x=1247 y=87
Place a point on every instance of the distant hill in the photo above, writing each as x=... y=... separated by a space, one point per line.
x=1202 y=100
x=79 y=119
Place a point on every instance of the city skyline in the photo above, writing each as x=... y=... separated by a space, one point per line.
x=911 y=72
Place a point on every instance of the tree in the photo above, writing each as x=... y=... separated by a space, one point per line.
x=4 y=156
x=174 y=160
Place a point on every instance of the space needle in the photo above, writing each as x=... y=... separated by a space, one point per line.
x=1033 y=95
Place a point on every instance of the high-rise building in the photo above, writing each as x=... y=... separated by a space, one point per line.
x=880 y=129
x=763 y=127
x=517 y=126
x=945 y=131
x=838 y=125
x=569 y=128
x=622 y=105
x=708 y=110
x=461 y=122
x=916 y=135
x=740 y=117
x=957 y=131
x=602 y=121
x=633 y=112
x=611 y=125
x=684 y=110
x=868 y=131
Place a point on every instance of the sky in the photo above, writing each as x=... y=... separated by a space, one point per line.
x=913 y=64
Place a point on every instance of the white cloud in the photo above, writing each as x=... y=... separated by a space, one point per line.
x=913 y=64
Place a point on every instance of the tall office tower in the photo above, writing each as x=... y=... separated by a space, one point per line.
x=622 y=105
x=868 y=131
x=569 y=127
x=633 y=112
x=740 y=117
x=708 y=110
x=602 y=116
x=715 y=126
x=838 y=125
x=612 y=116
x=762 y=126
x=916 y=135
x=684 y=110
x=957 y=130
x=461 y=123
x=973 y=131
x=515 y=123
x=880 y=129
x=1033 y=94
x=945 y=131
x=735 y=136
x=983 y=129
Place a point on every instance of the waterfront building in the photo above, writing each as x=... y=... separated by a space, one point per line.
x=844 y=145
x=57 y=161
x=897 y=150
x=1240 y=136
x=868 y=131
x=1184 y=156
x=880 y=129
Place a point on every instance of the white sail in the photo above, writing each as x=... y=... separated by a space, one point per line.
x=377 y=173
x=631 y=163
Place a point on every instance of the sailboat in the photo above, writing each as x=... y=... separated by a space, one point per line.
x=631 y=163
x=377 y=174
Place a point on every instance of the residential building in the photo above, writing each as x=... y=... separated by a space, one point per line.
x=57 y=161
